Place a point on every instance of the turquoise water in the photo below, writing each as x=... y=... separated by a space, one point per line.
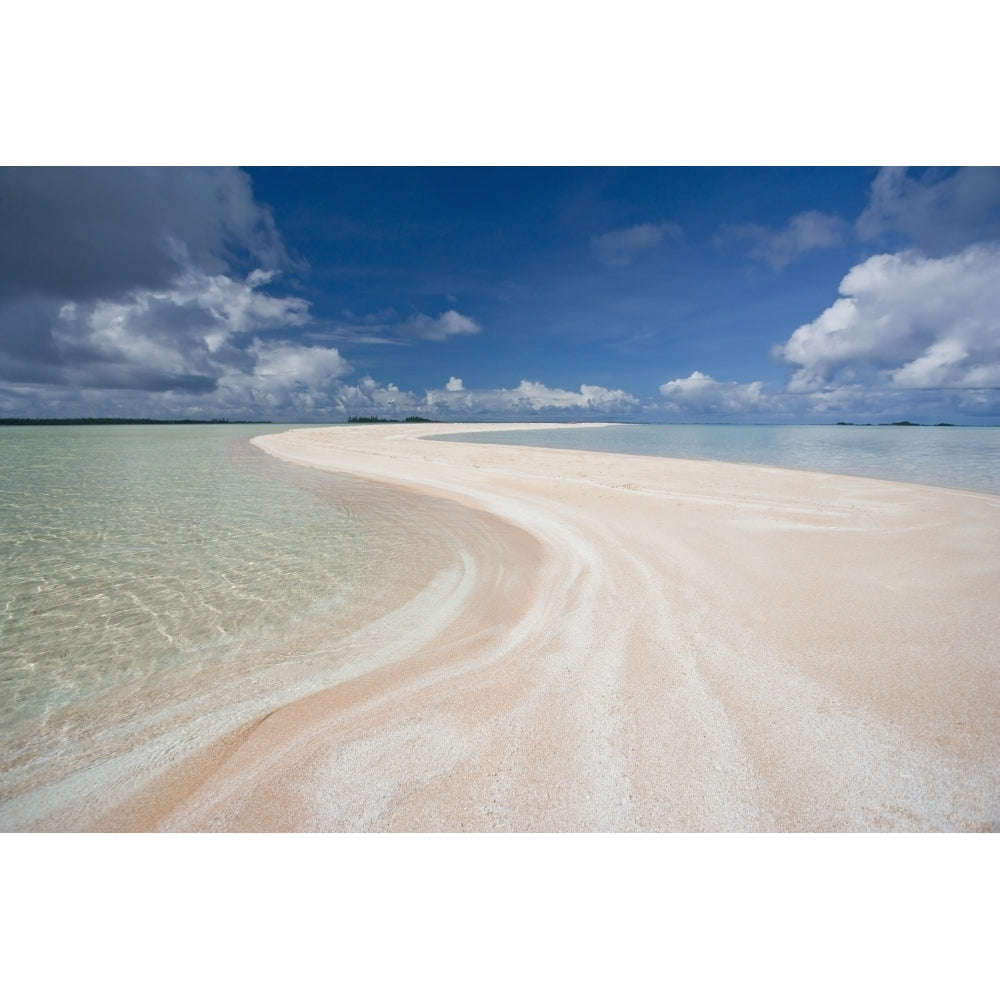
x=966 y=458
x=142 y=567
x=126 y=549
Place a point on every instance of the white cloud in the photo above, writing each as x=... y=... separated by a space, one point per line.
x=617 y=248
x=778 y=248
x=908 y=321
x=388 y=398
x=528 y=397
x=283 y=377
x=260 y=277
x=237 y=307
x=158 y=339
x=701 y=395
x=290 y=363
x=447 y=324
x=938 y=213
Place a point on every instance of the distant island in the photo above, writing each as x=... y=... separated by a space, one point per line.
x=85 y=421
x=386 y=420
x=895 y=423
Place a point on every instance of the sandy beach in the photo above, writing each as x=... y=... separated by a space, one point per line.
x=628 y=643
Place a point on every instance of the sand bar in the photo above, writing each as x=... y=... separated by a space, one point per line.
x=633 y=643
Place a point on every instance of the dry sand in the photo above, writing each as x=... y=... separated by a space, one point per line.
x=630 y=643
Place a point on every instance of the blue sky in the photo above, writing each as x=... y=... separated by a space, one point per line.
x=650 y=294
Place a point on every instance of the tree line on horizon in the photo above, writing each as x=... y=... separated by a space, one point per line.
x=64 y=421
x=389 y=420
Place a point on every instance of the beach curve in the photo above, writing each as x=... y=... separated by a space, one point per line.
x=647 y=644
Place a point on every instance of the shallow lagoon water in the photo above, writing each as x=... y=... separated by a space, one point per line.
x=126 y=549
x=966 y=458
x=155 y=576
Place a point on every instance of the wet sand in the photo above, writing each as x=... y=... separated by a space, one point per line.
x=630 y=643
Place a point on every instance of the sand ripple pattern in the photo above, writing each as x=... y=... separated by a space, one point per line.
x=621 y=643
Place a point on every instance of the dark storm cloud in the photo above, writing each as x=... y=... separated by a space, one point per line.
x=85 y=233
x=124 y=376
x=120 y=279
x=26 y=333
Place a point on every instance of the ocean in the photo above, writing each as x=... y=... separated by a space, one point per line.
x=965 y=458
x=161 y=585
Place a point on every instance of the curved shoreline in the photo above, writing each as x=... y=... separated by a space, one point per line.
x=647 y=644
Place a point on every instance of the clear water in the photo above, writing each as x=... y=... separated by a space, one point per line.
x=125 y=549
x=966 y=458
x=145 y=571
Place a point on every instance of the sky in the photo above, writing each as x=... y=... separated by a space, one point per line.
x=675 y=294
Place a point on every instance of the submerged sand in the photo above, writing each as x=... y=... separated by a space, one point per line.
x=633 y=643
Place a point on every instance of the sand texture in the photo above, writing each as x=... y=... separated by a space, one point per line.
x=624 y=643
